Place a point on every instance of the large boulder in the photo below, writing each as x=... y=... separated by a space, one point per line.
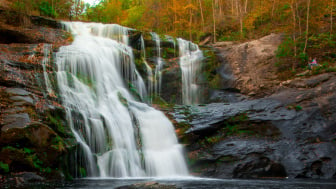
x=250 y=66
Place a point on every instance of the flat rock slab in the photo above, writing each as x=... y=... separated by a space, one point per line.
x=149 y=185
x=15 y=121
x=17 y=91
x=204 y=117
x=25 y=99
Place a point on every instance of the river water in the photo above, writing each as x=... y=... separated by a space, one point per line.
x=191 y=183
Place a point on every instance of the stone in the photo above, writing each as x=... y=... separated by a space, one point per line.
x=251 y=64
x=149 y=185
x=25 y=99
x=11 y=121
x=17 y=91
x=30 y=177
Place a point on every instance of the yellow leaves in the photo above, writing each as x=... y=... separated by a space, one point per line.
x=190 y=6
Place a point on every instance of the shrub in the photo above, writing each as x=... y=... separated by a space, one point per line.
x=4 y=167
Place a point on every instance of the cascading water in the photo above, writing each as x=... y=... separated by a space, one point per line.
x=150 y=78
x=159 y=64
x=118 y=136
x=45 y=63
x=171 y=40
x=190 y=59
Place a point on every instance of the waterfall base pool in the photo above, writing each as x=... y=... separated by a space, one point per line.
x=189 y=183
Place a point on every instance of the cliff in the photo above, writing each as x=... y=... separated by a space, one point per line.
x=257 y=125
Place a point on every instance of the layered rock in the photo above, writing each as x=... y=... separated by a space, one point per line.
x=260 y=127
x=248 y=67
x=34 y=135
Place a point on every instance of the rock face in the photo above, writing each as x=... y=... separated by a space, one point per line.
x=34 y=135
x=249 y=67
x=261 y=127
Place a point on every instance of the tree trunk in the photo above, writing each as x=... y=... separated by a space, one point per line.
x=299 y=19
x=294 y=32
x=245 y=10
x=214 y=20
x=240 y=19
x=307 y=26
x=331 y=17
x=237 y=7
x=190 y=22
x=202 y=16
x=273 y=7
x=232 y=7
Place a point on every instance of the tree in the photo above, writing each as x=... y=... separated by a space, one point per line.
x=307 y=26
x=331 y=17
x=294 y=30
x=214 y=20
x=201 y=9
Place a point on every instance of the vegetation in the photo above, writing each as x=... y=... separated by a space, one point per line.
x=4 y=167
x=65 y=9
x=241 y=126
x=307 y=25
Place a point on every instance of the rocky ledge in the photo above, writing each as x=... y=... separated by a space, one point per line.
x=290 y=133
x=34 y=136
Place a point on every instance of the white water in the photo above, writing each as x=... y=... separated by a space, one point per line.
x=150 y=77
x=159 y=64
x=118 y=136
x=45 y=62
x=171 y=39
x=190 y=59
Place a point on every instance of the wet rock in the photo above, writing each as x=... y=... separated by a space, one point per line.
x=42 y=21
x=148 y=185
x=226 y=96
x=30 y=177
x=10 y=36
x=209 y=116
x=300 y=143
x=260 y=167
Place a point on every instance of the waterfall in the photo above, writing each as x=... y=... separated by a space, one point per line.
x=159 y=64
x=171 y=40
x=150 y=77
x=117 y=135
x=45 y=63
x=190 y=59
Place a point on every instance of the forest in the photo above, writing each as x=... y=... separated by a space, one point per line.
x=308 y=25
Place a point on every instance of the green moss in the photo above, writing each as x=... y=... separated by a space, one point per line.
x=168 y=53
x=57 y=143
x=57 y=123
x=82 y=172
x=239 y=118
x=10 y=148
x=227 y=159
x=295 y=107
x=241 y=126
x=86 y=80
x=122 y=99
x=157 y=100
x=4 y=167
x=28 y=150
